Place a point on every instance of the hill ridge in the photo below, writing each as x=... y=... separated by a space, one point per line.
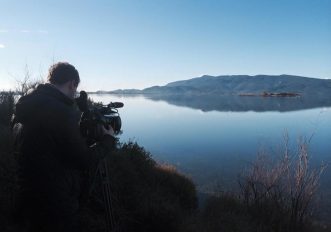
x=240 y=84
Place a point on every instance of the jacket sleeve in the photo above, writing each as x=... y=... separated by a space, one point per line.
x=72 y=148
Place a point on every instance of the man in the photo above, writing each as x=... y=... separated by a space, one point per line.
x=52 y=153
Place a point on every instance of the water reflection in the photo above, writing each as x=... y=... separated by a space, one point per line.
x=242 y=103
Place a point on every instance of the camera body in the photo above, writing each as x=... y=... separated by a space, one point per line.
x=96 y=114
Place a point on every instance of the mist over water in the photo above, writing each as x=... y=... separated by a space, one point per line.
x=213 y=147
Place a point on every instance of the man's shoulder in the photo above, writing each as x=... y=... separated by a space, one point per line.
x=44 y=102
x=53 y=98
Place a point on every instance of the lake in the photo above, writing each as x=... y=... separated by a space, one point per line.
x=212 y=139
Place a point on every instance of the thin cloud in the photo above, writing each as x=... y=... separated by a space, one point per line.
x=42 y=31
x=2 y=46
x=25 y=31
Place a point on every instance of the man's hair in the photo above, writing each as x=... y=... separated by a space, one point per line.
x=62 y=72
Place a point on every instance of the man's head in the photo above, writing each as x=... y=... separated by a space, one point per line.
x=65 y=77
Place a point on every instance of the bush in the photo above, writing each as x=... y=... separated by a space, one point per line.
x=6 y=107
x=147 y=196
x=281 y=193
x=225 y=213
x=8 y=164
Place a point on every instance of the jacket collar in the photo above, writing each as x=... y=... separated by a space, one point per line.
x=50 y=90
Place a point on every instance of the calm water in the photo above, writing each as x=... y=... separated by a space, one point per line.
x=213 y=146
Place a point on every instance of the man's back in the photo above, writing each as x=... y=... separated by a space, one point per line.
x=51 y=155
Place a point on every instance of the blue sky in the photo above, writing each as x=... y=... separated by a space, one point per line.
x=137 y=44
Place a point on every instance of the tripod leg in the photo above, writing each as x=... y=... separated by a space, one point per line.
x=107 y=196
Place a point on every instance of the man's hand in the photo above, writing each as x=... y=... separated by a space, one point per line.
x=108 y=131
x=103 y=131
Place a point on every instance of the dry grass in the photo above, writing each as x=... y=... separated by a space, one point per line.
x=281 y=192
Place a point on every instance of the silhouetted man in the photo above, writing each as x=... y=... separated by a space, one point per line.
x=52 y=152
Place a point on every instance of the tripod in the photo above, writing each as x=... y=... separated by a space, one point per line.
x=102 y=172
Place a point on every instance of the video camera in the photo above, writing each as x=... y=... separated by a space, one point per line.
x=97 y=114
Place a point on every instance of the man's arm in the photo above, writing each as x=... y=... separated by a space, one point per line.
x=73 y=150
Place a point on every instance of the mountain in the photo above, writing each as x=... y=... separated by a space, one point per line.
x=125 y=91
x=241 y=85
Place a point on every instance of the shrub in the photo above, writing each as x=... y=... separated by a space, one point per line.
x=279 y=193
x=8 y=164
x=6 y=107
x=147 y=196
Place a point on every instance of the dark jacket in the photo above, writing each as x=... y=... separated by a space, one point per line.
x=52 y=153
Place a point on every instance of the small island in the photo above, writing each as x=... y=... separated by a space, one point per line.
x=267 y=94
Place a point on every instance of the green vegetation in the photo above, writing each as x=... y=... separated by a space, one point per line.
x=8 y=165
x=147 y=196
